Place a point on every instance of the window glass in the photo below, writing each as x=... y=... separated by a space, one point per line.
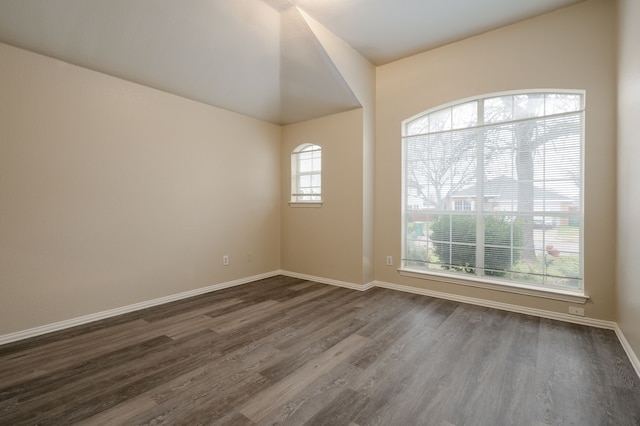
x=306 y=173
x=493 y=189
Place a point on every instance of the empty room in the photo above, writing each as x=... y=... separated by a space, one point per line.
x=319 y=212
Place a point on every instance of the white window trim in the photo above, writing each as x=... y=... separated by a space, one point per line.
x=293 y=201
x=305 y=203
x=510 y=287
x=567 y=295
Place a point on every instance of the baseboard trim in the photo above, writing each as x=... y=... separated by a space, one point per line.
x=61 y=325
x=345 y=284
x=628 y=349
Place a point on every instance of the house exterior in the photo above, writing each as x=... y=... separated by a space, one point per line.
x=501 y=195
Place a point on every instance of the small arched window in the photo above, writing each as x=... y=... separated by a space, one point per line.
x=306 y=174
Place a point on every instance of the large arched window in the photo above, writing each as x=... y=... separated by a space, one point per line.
x=306 y=174
x=492 y=190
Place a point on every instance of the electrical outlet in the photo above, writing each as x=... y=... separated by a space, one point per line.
x=225 y=260
x=574 y=310
x=389 y=260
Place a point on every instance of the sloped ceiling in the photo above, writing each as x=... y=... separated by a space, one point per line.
x=255 y=57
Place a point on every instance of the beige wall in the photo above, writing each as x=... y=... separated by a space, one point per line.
x=360 y=75
x=629 y=172
x=112 y=193
x=573 y=48
x=326 y=241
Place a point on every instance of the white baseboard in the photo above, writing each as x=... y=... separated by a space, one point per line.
x=628 y=349
x=61 y=325
x=352 y=286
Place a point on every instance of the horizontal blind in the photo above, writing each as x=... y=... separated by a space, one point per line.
x=306 y=164
x=493 y=187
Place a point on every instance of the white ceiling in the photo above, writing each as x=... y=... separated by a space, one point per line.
x=255 y=57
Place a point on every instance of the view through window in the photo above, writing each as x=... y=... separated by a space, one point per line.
x=492 y=189
x=306 y=173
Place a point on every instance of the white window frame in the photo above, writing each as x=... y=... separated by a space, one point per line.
x=308 y=195
x=407 y=269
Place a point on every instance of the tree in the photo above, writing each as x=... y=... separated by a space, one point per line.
x=441 y=166
x=443 y=161
x=528 y=136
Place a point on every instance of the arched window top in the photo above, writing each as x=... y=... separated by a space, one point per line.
x=306 y=147
x=494 y=109
x=306 y=174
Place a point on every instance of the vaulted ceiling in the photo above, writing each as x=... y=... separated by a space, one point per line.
x=255 y=57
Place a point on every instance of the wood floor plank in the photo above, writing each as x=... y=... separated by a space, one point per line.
x=78 y=399
x=298 y=354
x=121 y=414
x=567 y=356
x=56 y=356
x=204 y=405
x=319 y=393
x=289 y=351
x=24 y=357
x=284 y=390
x=434 y=370
x=302 y=285
x=341 y=410
x=489 y=371
x=89 y=370
x=240 y=317
x=389 y=372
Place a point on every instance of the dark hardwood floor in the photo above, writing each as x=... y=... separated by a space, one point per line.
x=288 y=351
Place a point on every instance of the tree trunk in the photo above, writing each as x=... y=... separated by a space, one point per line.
x=525 y=149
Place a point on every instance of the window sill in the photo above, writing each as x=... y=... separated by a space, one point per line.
x=305 y=204
x=547 y=293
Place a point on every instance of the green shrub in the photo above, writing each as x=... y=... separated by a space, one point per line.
x=454 y=242
x=447 y=232
x=510 y=237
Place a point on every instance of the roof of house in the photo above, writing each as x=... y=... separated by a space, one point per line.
x=506 y=188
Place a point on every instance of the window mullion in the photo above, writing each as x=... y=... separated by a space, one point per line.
x=480 y=192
